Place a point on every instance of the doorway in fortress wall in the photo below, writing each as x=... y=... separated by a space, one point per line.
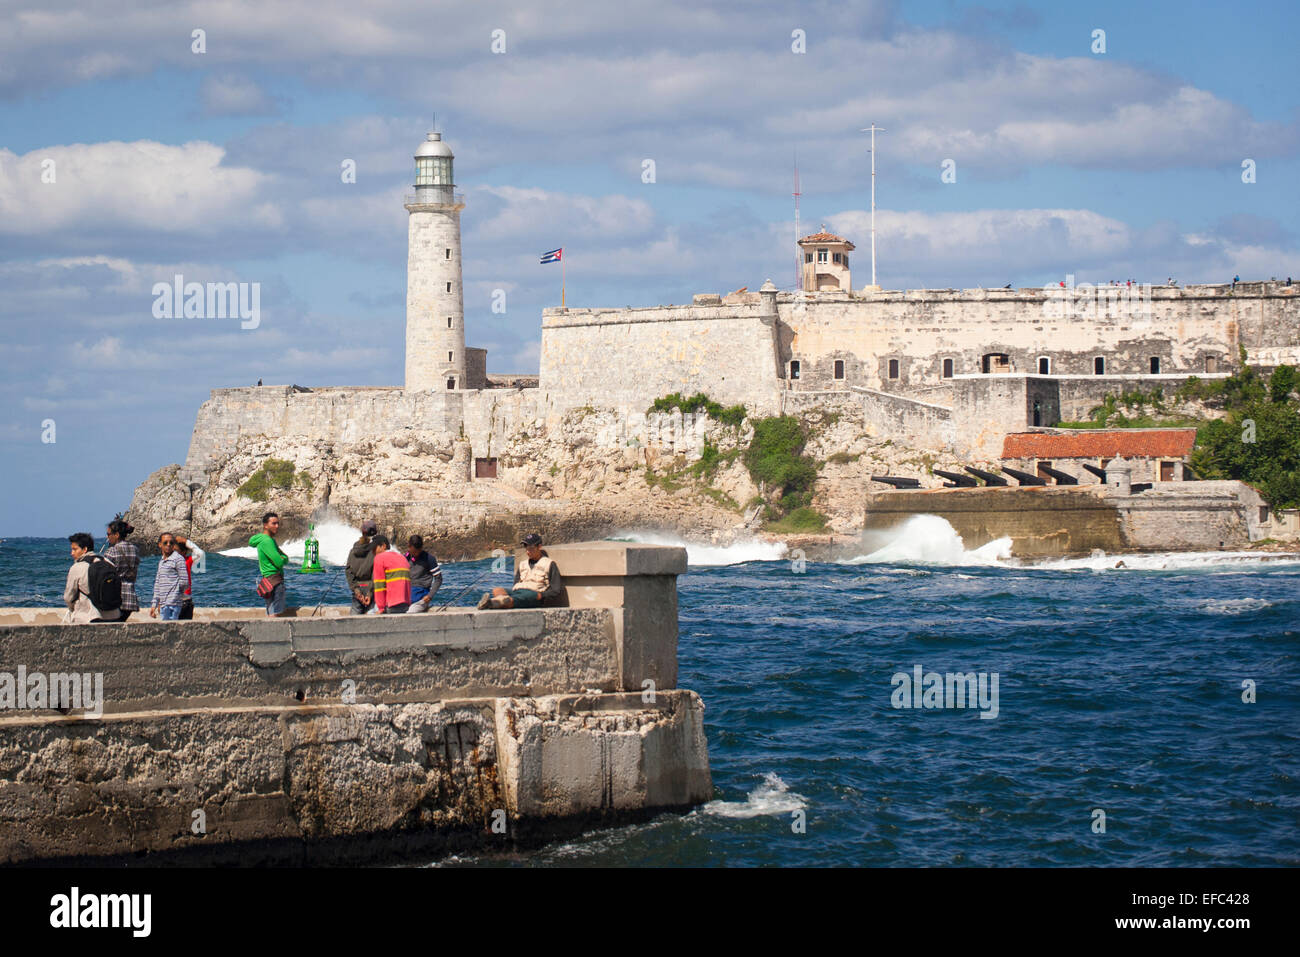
x=485 y=468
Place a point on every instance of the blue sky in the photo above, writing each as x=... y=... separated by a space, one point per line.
x=225 y=165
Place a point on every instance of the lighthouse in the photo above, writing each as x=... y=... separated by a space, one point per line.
x=435 y=307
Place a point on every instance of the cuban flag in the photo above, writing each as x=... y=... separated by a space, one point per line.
x=554 y=256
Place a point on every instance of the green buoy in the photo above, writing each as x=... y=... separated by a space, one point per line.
x=310 y=554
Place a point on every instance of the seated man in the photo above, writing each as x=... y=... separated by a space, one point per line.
x=537 y=580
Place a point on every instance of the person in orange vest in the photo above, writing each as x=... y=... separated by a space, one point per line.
x=392 y=579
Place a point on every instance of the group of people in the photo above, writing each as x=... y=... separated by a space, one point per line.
x=385 y=581
x=96 y=592
x=382 y=579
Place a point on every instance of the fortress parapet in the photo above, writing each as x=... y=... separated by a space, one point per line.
x=324 y=738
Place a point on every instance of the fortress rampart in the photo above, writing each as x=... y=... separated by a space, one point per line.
x=314 y=738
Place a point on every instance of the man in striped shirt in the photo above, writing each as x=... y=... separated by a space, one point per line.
x=392 y=579
x=169 y=585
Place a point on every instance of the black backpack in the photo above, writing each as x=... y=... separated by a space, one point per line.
x=105 y=587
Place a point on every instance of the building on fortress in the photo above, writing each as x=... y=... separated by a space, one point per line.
x=950 y=369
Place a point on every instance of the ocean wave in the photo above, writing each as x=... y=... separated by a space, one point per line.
x=772 y=796
x=927 y=540
x=1165 y=561
x=699 y=553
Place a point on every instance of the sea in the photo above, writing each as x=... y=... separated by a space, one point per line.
x=1135 y=710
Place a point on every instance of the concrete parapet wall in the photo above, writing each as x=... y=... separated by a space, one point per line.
x=272 y=781
x=312 y=736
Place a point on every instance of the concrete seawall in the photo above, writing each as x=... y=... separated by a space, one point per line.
x=1050 y=522
x=331 y=738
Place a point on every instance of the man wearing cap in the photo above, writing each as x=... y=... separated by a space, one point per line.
x=361 y=568
x=537 y=580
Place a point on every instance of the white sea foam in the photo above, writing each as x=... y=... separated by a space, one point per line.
x=336 y=538
x=926 y=540
x=773 y=796
x=1233 y=606
x=1166 y=561
x=698 y=553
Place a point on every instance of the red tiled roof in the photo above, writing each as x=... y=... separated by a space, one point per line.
x=1092 y=444
x=825 y=237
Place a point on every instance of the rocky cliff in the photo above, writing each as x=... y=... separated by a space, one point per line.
x=585 y=476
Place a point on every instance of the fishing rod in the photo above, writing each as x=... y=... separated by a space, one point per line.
x=324 y=591
x=465 y=589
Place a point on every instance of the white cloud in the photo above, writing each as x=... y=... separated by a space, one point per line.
x=123 y=186
x=233 y=95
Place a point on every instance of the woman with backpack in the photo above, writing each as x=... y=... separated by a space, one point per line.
x=127 y=559
x=90 y=575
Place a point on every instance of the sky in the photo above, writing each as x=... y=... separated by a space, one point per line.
x=133 y=149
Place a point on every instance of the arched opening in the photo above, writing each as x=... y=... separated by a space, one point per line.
x=1211 y=363
x=1044 y=365
x=451 y=383
x=995 y=362
x=1155 y=365
x=839 y=368
x=794 y=368
x=893 y=368
x=1038 y=413
x=1099 y=365
x=947 y=368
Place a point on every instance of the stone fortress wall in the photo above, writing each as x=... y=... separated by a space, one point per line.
x=892 y=346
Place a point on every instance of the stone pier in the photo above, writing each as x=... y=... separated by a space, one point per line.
x=326 y=738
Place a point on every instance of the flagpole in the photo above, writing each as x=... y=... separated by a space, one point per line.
x=562 y=306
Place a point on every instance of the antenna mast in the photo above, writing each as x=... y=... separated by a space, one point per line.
x=798 y=259
x=873 y=129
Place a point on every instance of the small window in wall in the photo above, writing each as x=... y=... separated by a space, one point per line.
x=1211 y=363
x=449 y=287
x=836 y=258
x=846 y=260
x=449 y=358
x=451 y=383
x=807 y=257
x=449 y=322
x=893 y=368
x=448 y=252
x=839 y=368
x=1042 y=467
x=821 y=255
x=485 y=468
x=1155 y=365
x=1263 y=513
x=1166 y=471
x=1099 y=365
x=794 y=368
x=1038 y=413
x=947 y=368
x=1044 y=365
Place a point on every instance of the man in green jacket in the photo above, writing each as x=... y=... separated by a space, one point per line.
x=270 y=562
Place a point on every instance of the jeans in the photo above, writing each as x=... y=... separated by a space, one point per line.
x=422 y=598
x=360 y=609
x=169 y=612
x=278 y=600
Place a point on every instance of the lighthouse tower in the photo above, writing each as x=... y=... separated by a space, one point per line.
x=435 y=310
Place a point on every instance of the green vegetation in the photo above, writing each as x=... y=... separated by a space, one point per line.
x=1259 y=440
x=843 y=458
x=1134 y=409
x=776 y=459
x=274 y=475
x=732 y=415
x=801 y=520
